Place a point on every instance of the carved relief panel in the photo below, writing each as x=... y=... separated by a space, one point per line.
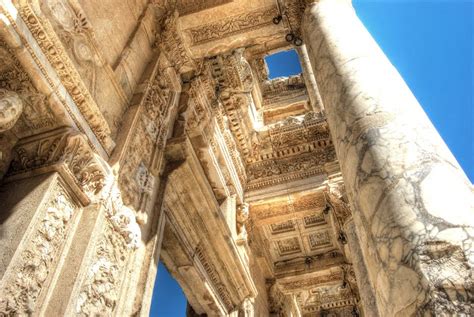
x=35 y=261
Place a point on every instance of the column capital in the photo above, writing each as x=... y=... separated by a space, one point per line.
x=66 y=151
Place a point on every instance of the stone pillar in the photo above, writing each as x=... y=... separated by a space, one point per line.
x=309 y=79
x=366 y=290
x=342 y=215
x=66 y=233
x=414 y=218
x=51 y=178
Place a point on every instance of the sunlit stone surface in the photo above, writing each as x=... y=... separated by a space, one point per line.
x=134 y=131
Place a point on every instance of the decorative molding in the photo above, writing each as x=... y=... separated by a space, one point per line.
x=233 y=25
x=283 y=88
x=282 y=207
x=288 y=246
x=283 y=227
x=215 y=279
x=171 y=43
x=235 y=81
x=335 y=197
x=291 y=150
x=319 y=240
x=242 y=216
x=51 y=46
x=260 y=68
x=312 y=281
x=76 y=33
x=147 y=135
x=36 y=114
x=120 y=236
x=333 y=298
x=294 y=11
x=274 y=172
x=314 y=220
x=99 y=293
x=66 y=151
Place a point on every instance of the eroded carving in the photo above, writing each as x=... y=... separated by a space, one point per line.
x=31 y=272
x=31 y=106
x=55 y=52
x=57 y=149
x=11 y=108
x=171 y=43
x=233 y=25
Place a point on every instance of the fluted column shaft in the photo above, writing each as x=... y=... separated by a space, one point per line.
x=414 y=204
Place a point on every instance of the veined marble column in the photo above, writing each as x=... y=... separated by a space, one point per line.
x=366 y=290
x=415 y=217
x=309 y=79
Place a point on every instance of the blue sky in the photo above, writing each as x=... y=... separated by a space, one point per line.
x=431 y=45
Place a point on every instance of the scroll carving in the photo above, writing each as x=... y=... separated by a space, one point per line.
x=75 y=32
x=63 y=150
x=170 y=41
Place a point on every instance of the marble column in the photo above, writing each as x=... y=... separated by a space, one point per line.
x=310 y=80
x=366 y=289
x=415 y=217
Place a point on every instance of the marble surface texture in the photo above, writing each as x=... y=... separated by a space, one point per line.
x=415 y=213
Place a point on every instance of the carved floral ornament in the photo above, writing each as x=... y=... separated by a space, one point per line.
x=63 y=150
x=24 y=281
